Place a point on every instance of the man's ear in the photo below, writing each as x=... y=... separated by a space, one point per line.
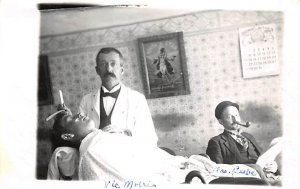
x=97 y=70
x=67 y=136
x=220 y=121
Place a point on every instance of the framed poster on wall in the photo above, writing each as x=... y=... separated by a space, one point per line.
x=164 y=66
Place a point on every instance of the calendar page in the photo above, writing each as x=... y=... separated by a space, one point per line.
x=259 y=51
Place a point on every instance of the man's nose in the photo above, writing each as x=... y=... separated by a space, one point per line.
x=109 y=68
x=233 y=118
x=237 y=117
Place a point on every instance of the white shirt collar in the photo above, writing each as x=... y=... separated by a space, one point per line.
x=233 y=132
x=114 y=89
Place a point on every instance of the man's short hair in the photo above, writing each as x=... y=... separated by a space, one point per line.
x=106 y=50
x=221 y=106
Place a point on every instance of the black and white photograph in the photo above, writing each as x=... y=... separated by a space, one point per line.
x=134 y=96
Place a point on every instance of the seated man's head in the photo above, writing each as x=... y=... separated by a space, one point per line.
x=73 y=128
x=227 y=114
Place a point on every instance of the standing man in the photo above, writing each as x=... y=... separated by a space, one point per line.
x=114 y=106
x=232 y=146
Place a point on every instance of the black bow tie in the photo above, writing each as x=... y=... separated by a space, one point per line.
x=114 y=94
x=66 y=177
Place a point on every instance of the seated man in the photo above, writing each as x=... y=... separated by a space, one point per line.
x=115 y=158
x=234 y=147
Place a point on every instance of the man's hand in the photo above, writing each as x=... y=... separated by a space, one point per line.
x=64 y=107
x=111 y=129
x=271 y=167
x=114 y=129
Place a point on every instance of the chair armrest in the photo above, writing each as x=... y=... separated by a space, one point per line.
x=192 y=175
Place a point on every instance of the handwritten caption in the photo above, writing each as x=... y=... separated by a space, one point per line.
x=236 y=171
x=129 y=184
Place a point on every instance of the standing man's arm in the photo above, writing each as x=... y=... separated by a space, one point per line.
x=86 y=107
x=143 y=127
x=214 y=151
x=82 y=106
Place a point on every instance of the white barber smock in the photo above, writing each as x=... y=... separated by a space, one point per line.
x=131 y=112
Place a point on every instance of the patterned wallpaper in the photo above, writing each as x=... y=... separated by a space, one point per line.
x=183 y=123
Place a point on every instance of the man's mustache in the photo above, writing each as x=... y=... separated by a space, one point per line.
x=109 y=74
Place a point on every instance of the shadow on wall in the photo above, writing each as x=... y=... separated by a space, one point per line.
x=266 y=122
x=171 y=122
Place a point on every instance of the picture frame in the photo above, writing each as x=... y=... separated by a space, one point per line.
x=45 y=95
x=164 y=68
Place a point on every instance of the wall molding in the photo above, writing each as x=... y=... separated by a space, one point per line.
x=191 y=24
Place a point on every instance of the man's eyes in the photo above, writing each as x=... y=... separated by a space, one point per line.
x=107 y=63
x=228 y=117
x=102 y=64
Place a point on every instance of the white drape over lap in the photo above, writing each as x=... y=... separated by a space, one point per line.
x=108 y=157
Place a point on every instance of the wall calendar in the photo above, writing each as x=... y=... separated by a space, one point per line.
x=259 y=51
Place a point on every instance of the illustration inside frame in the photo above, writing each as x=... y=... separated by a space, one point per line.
x=164 y=65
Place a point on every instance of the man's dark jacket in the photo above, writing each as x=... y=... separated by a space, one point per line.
x=223 y=149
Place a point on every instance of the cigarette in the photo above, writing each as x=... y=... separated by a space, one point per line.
x=61 y=97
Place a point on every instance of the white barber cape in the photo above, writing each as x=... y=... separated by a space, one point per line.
x=119 y=158
x=131 y=112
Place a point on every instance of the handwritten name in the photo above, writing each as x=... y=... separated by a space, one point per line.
x=129 y=184
x=236 y=171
